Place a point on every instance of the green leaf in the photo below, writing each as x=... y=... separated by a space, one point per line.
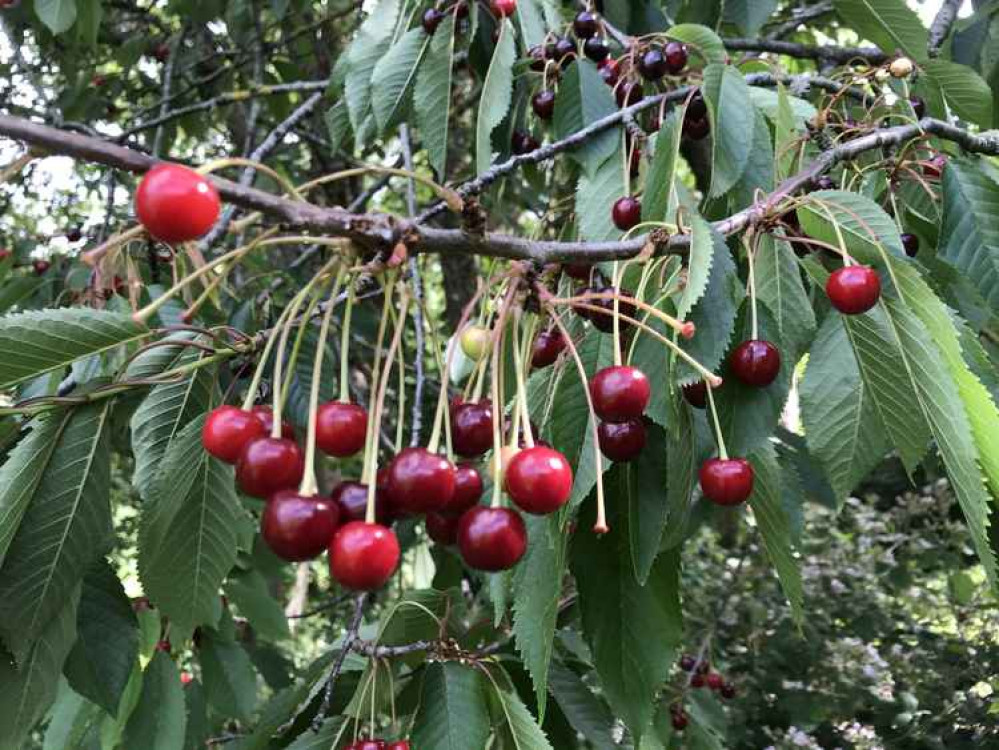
x=659 y=187
x=66 y=525
x=107 y=647
x=681 y=470
x=966 y=92
x=644 y=483
x=699 y=262
x=187 y=533
x=14 y=291
x=394 y=74
x=58 y=15
x=749 y=15
x=792 y=111
x=337 y=121
x=497 y=93
x=326 y=737
x=969 y=237
x=586 y=712
x=75 y=723
x=530 y=14
x=229 y=678
x=594 y=192
x=732 y=115
x=36 y=342
x=453 y=714
x=842 y=425
x=432 y=96
x=537 y=588
x=864 y=225
x=373 y=40
x=249 y=592
x=890 y=24
x=517 y=724
x=701 y=40
x=632 y=630
x=584 y=98
x=758 y=177
x=159 y=719
x=28 y=688
x=779 y=287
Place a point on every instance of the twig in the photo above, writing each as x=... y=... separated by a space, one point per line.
x=348 y=644
x=941 y=26
x=800 y=16
x=821 y=52
x=416 y=414
x=167 y=83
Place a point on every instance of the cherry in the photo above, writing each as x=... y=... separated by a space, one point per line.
x=420 y=481
x=696 y=394
x=652 y=64
x=698 y=129
x=726 y=481
x=621 y=442
x=399 y=745
x=935 y=166
x=910 y=243
x=164 y=646
x=363 y=556
x=443 y=527
x=472 y=428
x=620 y=393
x=727 y=691
x=543 y=104
x=228 y=430
x=604 y=321
x=755 y=362
x=176 y=204
x=703 y=666
x=679 y=720
x=297 y=527
x=825 y=182
x=368 y=744
x=475 y=341
x=467 y=489
x=504 y=8
x=564 y=50
x=268 y=465
x=538 y=56
x=546 y=348
x=853 y=289
x=608 y=69
x=697 y=681
x=627 y=213
x=431 y=20
x=628 y=93
x=461 y=9
x=918 y=106
x=75 y=234
x=341 y=428
x=714 y=680
x=596 y=49
x=901 y=67
x=676 y=57
x=161 y=52
x=523 y=143
x=585 y=24
x=687 y=663
x=4 y=254
x=697 y=108
x=578 y=271
x=491 y=539
x=539 y=480
x=265 y=415
x=40 y=266
x=351 y=499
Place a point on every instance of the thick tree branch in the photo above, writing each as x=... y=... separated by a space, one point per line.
x=824 y=53
x=941 y=26
x=799 y=16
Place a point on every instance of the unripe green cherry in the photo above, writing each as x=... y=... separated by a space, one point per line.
x=475 y=342
x=901 y=68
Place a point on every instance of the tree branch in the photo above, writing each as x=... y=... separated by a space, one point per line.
x=941 y=26
x=823 y=53
x=800 y=16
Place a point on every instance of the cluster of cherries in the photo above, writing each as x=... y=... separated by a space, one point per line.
x=702 y=677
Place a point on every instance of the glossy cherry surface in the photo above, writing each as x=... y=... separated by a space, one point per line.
x=621 y=442
x=543 y=104
x=228 y=430
x=652 y=64
x=363 y=556
x=472 y=428
x=853 y=289
x=546 y=347
x=726 y=481
x=696 y=129
x=564 y=50
x=420 y=481
x=620 y=393
x=578 y=271
x=296 y=527
x=697 y=108
x=676 y=57
x=523 y=143
x=467 y=488
x=399 y=745
x=910 y=243
x=755 y=362
x=443 y=527
x=539 y=480
x=918 y=106
x=491 y=539
x=609 y=72
x=626 y=213
x=266 y=416
x=176 y=204
x=431 y=20
x=268 y=465
x=585 y=24
x=504 y=8
x=40 y=266
x=341 y=428
x=596 y=49
x=628 y=93
x=696 y=394
x=603 y=317
x=351 y=499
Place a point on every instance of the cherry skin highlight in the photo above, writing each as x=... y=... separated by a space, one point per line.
x=676 y=57
x=585 y=25
x=176 y=204
x=297 y=527
x=539 y=480
x=621 y=442
x=399 y=745
x=491 y=539
x=626 y=213
x=854 y=289
x=543 y=104
x=755 y=362
x=696 y=394
x=620 y=393
x=726 y=481
x=268 y=465
x=652 y=65
x=546 y=348
x=228 y=430
x=472 y=428
x=596 y=49
x=420 y=481
x=910 y=243
x=266 y=416
x=504 y=8
x=341 y=428
x=363 y=556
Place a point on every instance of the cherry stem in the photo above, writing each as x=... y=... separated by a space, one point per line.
x=400 y=424
x=277 y=400
x=522 y=360
x=296 y=347
x=617 y=312
x=520 y=399
x=684 y=327
x=441 y=417
x=449 y=196
x=754 y=324
x=496 y=373
x=258 y=374
x=236 y=161
x=345 y=344
x=722 y=451
x=371 y=439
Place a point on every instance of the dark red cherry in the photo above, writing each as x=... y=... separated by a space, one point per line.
x=652 y=64
x=176 y=204
x=467 y=489
x=539 y=480
x=266 y=416
x=523 y=143
x=543 y=104
x=910 y=243
x=578 y=271
x=825 y=182
x=623 y=441
x=620 y=393
x=504 y=8
x=679 y=720
x=268 y=465
x=604 y=321
x=399 y=745
x=370 y=744
x=538 y=56
x=918 y=106
x=853 y=289
x=4 y=254
x=564 y=50
x=40 y=266
x=443 y=527
x=676 y=57
x=726 y=481
x=585 y=24
x=628 y=93
x=472 y=428
x=697 y=681
x=627 y=213
x=935 y=166
x=296 y=527
x=228 y=430
x=727 y=691
x=491 y=539
x=363 y=556
x=341 y=428
x=74 y=234
x=696 y=130
x=461 y=9
x=697 y=108
x=696 y=394
x=609 y=72
x=687 y=663
x=755 y=362
x=420 y=481
x=351 y=499
x=546 y=347
x=161 y=52
x=714 y=680
x=431 y=20
x=596 y=49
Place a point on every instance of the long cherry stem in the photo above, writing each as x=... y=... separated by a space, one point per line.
x=722 y=451
x=345 y=344
x=371 y=439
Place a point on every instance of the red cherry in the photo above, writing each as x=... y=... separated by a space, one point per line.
x=296 y=527
x=431 y=20
x=628 y=93
x=341 y=428
x=564 y=50
x=680 y=720
x=697 y=681
x=443 y=527
x=728 y=691
x=266 y=416
x=609 y=71
x=546 y=348
x=472 y=428
x=41 y=266
x=585 y=24
x=491 y=539
x=399 y=745
x=268 y=465
x=504 y=8
x=461 y=9
x=935 y=166
x=652 y=65
x=543 y=104
x=578 y=271
x=853 y=289
x=676 y=57
x=538 y=56
x=75 y=234
x=164 y=646
x=363 y=556
x=755 y=362
x=351 y=499
x=228 y=430
x=687 y=663
x=621 y=442
x=420 y=481
x=176 y=204
x=161 y=52
x=697 y=108
x=714 y=680
x=467 y=489
x=726 y=481
x=696 y=394
x=523 y=143
x=620 y=393
x=626 y=213
x=604 y=321
x=910 y=243
x=4 y=254
x=539 y=480
x=596 y=49
x=371 y=744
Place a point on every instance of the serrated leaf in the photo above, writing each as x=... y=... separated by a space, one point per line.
x=453 y=714
x=643 y=483
x=337 y=120
x=681 y=457
x=74 y=723
x=758 y=176
x=394 y=75
x=497 y=93
x=516 y=722
x=327 y=736
x=228 y=675
x=432 y=97
x=14 y=291
x=864 y=225
x=965 y=91
x=587 y=713
x=159 y=718
x=187 y=533
x=842 y=426
x=890 y=24
x=107 y=646
x=779 y=287
x=248 y=591
x=701 y=40
x=659 y=188
x=786 y=127
x=733 y=120
x=530 y=15
x=594 y=193
x=66 y=525
x=584 y=98
x=373 y=40
x=36 y=342
x=57 y=15
x=699 y=262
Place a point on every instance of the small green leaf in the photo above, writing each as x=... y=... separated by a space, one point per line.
x=453 y=714
x=779 y=287
x=517 y=724
x=432 y=96
x=497 y=93
x=699 y=263
x=733 y=119
x=159 y=719
x=864 y=225
x=890 y=24
x=965 y=91
x=749 y=15
x=248 y=591
x=229 y=678
x=584 y=98
x=660 y=193
x=58 y=15
x=394 y=74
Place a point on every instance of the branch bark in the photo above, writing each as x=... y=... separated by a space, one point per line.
x=941 y=26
